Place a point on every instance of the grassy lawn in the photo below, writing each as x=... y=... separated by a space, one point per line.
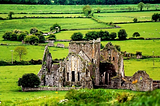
x=133 y=65
x=10 y=93
x=34 y=52
x=126 y=16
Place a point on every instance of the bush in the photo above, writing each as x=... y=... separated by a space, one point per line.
x=21 y=36
x=77 y=36
x=136 y=34
x=13 y=37
x=29 y=80
x=52 y=37
x=6 y=35
x=112 y=35
x=91 y=35
x=98 y=10
x=33 y=30
x=31 y=39
x=42 y=39
x=55 y=27
x=135 y=20
x=104 y=35
x=10 y=15
x=122 y=34
x=155 y=17
x=118 y=47
x=87 y=10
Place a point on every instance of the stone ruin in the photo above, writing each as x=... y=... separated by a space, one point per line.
x=87 y=66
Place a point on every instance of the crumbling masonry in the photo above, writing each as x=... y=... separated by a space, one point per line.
x=87 y=66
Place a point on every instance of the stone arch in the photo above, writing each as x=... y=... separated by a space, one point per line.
x=107 y=71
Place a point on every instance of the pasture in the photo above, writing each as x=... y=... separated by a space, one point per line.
x=125 y=17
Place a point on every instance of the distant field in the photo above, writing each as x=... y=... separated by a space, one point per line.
x=125 y=17
x=146 y=30
x=20 y=8
x=34 y=52
x=132 y=66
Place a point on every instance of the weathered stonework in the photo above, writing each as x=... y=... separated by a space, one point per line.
x=87 y=66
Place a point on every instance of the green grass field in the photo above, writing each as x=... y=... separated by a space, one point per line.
x=125 y=17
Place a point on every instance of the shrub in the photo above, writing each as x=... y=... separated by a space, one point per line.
x=77 y=36
x=52 y=37
x=104 y=35
x=42 y=39
x=87 y=10
x=98 y=10
x=31 y=39
x=135 y=20
x=56 y=27
x=136 y=34
x=155 y=17
x=13 y=36
x=33 y=30
x=17 y=31
x=6 y=35
x=91 y=35
x=112 y=35
x=29 y=80
x=10 y=15
x=122 y=34
x=21 y=36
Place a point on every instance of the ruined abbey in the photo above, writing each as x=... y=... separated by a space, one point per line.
x=87 y=66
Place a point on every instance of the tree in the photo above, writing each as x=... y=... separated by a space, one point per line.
x=33 y=30
x=52 y=37
x=13 y=36
x=141 y=5
x=31 y=39
x=29 y=80
x=55 y=27
x=122 y=34
x=87 y=10
x=104 y=35
x=98 y=10
x=135 y=20
x=147 y=6
x=10 y=15
x=21 y=36
x=20 y=51
x=42 y=39
x=113 y=35
x=77 y=36
x=155 y=17
x=136 y=34
x=91 y=35
x=6 y=35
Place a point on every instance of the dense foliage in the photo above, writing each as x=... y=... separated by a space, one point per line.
x=77 y=36
x=31 y=39
x=122 y=34
x=55 y=27
x=155 y=17
x=87 y=10
x=136 y=34
x=51 y=37
x=29 y=80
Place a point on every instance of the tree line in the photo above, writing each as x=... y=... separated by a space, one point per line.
x=78 y=2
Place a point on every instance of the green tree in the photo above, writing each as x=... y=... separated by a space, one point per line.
x=29 y=80
x=6 y=35
x=21 y=36
x=77 y=36
x=42 y=39
x=155 y=17
x=104 y=35
x=13 y=37
x=31 y=39
x=136 y=34
x=20 y=51
x=33 y=30
x=135 y=20
x=141 y=5
x=55 y=27
x=98 y=10
x=112 y=35
x=122 y=34
x=87 y=10
x=91 y=35
x=10 y=15
x=51 y=37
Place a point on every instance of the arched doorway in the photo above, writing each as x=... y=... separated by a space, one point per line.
x=107 y=71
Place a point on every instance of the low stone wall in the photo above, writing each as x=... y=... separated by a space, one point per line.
x=49 y=89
